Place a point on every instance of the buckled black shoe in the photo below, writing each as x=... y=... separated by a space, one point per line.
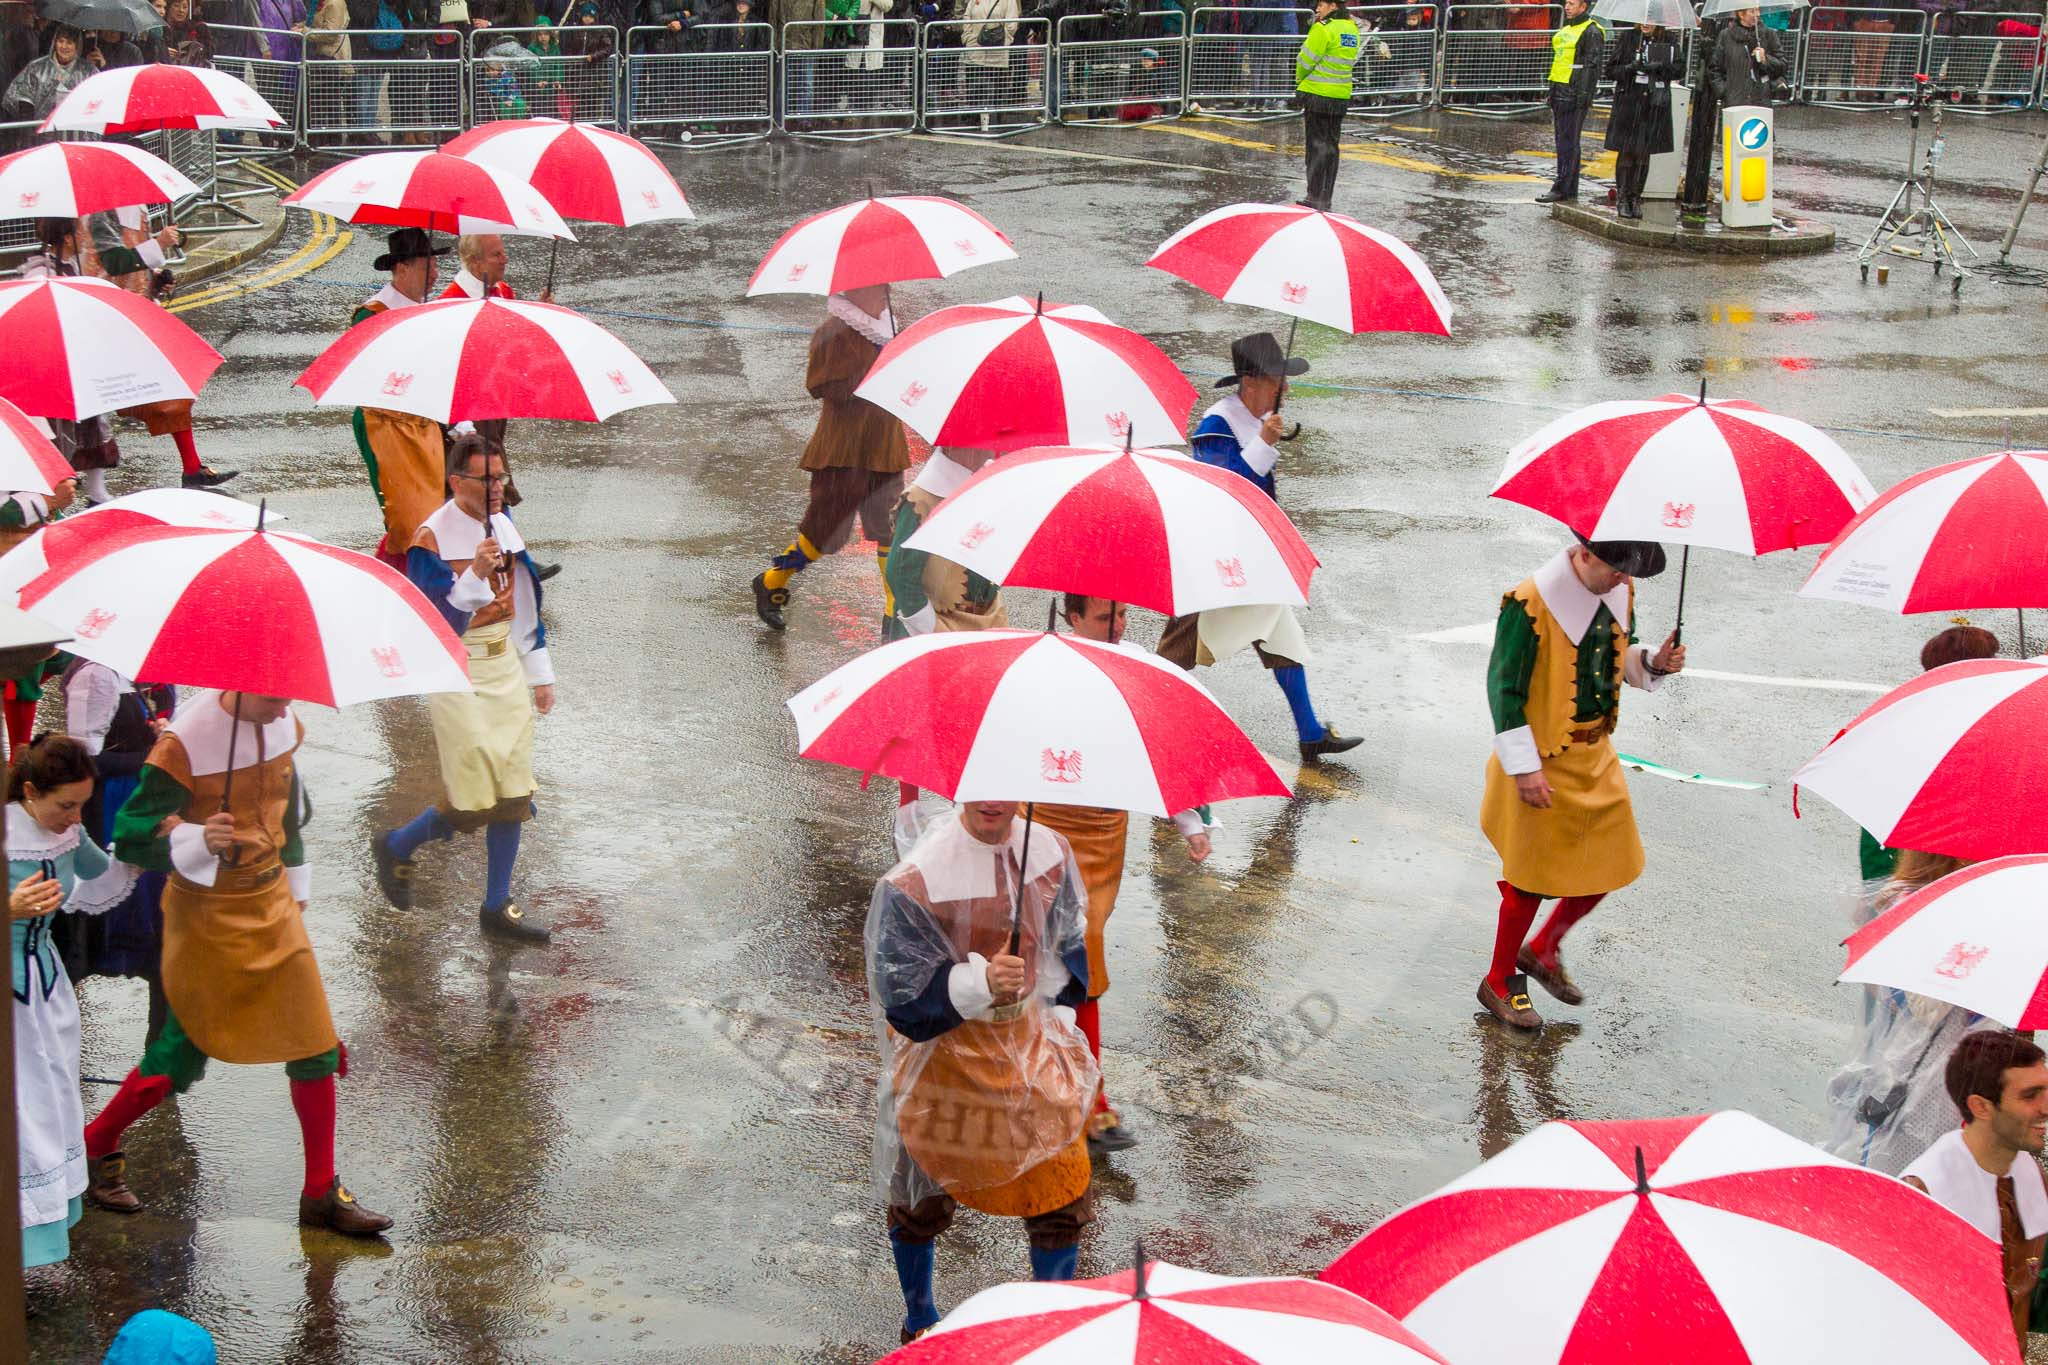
x=769 y=602
x=1115 y=1138
x=203 y=478
x=543 y=572
x=508 y=921
x=1330 y=743
x=338 y=1211
x=394 y=874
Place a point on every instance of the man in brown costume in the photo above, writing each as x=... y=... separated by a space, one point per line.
x=218 y=807
x=856 y=456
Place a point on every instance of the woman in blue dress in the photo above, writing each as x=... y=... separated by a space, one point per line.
x=51 y=866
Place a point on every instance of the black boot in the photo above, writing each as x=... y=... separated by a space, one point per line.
x=508 y=921
x=769 y=602
x=543 y=572
x=394 y=874
x=203 y=477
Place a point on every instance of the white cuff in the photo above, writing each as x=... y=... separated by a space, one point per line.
x=1516 y=750
x=1635 y=669
x=469 y=593
x=190 y=856
x=152 y=254
x=923 y=621
x=1260 y=456
x=35 y=508
x=540 y=670
x=1066 y=1015
x=300 y=879
x=1190 y=823
x=967 y=988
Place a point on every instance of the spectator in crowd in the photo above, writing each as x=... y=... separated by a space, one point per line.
x=988 y=27
x=186 y=39
x=729 y=35
x=329 y=42
x=1745 y=62
x=109 y=49
x=586 y=48
x=806 y=37
x=37 y=88
x=1645 y=62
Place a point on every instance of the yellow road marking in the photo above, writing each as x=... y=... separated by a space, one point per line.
x=1354 y=151
x=324 y=245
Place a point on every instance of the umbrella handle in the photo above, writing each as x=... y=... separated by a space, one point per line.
x=554 y=248
x=1684 y=563
x=232 y=855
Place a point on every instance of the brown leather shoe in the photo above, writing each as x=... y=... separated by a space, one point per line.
x=1515 y=1011
x=1551 y=976
x=338 y=1210
x=109 y=1188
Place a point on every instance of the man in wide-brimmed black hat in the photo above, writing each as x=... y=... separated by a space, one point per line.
x=1556 y=806
x=404 y=452
x=1240 y=434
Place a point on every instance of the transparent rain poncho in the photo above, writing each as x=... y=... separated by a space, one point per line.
x=1890 y=1102
x=40 y=85
x=968 y=1109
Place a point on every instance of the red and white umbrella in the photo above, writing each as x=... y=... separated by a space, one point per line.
x=1323 y=267
x=586 y=172
x=1151 y=527
x=1691 y=471
x=1713 y=1240
x=1012 y=374
x=879 y=241
x=430 y=190
x=79 y=347
x=1977 y=938
x=466 y=360
x=73 y=179
x=251 y=611
x=1183 y=1316
x=1965 y=536
x=1950 y=762
x=79 y=535
x=28 y=462
x=1019 y=715
x=138 y=99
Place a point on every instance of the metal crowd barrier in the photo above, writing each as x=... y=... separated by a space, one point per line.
x=984 y=78
x=719 y=89
x=1241 y=60
x=382 y=95
x=1397 y=74
x=1994 y=70
x=1496 y=58
x=1103 y=75
x=1861 y=58
x=509 y=79
x=858 y=81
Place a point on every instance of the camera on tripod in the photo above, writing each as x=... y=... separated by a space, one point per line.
x=1927 y=90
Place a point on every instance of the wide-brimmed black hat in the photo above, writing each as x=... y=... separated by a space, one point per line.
x=1636 y=558
x=1259 y=356
x=407 y=244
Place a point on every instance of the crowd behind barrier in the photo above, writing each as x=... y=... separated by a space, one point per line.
x=712 y=84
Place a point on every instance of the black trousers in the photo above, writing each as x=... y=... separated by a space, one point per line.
x=1568 y=117
x=1631 y=172
x=1322 y=118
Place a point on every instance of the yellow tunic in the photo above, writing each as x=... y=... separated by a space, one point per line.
x=1097 y=838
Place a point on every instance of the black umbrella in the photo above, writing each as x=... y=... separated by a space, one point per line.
x=112 y=16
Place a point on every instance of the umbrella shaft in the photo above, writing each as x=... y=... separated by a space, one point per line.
x=1023 y=866
x=1684 y=563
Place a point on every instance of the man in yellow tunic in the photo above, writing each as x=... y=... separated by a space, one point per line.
x=1556 y=806
x=218 y=807
x=470 y=562
x=402 y=451
x=985 y=1079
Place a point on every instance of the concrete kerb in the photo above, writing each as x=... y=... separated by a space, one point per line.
x=1798 y=237
x=214 y=255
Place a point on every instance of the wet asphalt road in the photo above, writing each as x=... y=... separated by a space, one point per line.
x=649 y=1142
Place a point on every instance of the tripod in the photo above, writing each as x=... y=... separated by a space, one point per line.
x=2012 y=233
x=1914 y=225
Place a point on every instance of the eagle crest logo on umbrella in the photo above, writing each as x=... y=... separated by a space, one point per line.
x=651 y=199
x=798 y=271
x=914 y=394
x=619 y=380
x=95 y=623
x=1230 y=572
x=395 y=384
x=965 y=247
x=1055 y=765
x=388 y=660
x=1678 y=515
x=29 y=198
x=362 y=187
x=93 y=106
x=1290 y=292
x=1962 y=959
x=1119 y=423
x=976 y=534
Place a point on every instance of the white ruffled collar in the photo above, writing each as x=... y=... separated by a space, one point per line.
x=390 y=298
x=457 y=533
x=1572 y=602
x=27 y=839
x=941 y=476
x=956 y=866
x=879 y=330
x=1253 y=448
x=205 y=728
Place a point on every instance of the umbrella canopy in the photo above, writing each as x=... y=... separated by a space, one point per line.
x=1947 y=763
x=139 y=99
x=1012 y=374
x=879 y=241
x=1152 y=527
x=1715 y=9
x=115 y=16
x=430 y=190
x=1165 y=1313
x=465 y=360
x=251 y=611
x=1720 y=473
x=1977 y=938
x=79 y=535
x=1016 y=715
x=1323 y=267
x=1714 y=1240
x=1965 y=536
x=73 y=179
x=81 y=347
x=1663 y=13
x=28 y=462
x=586 y=172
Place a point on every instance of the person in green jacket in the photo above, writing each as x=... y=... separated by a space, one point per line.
x=1322 y=75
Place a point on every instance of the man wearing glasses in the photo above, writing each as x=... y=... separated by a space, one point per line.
x=469 y=559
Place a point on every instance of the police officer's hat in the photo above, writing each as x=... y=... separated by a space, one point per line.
x=1259 y=356
x=1636 y=558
